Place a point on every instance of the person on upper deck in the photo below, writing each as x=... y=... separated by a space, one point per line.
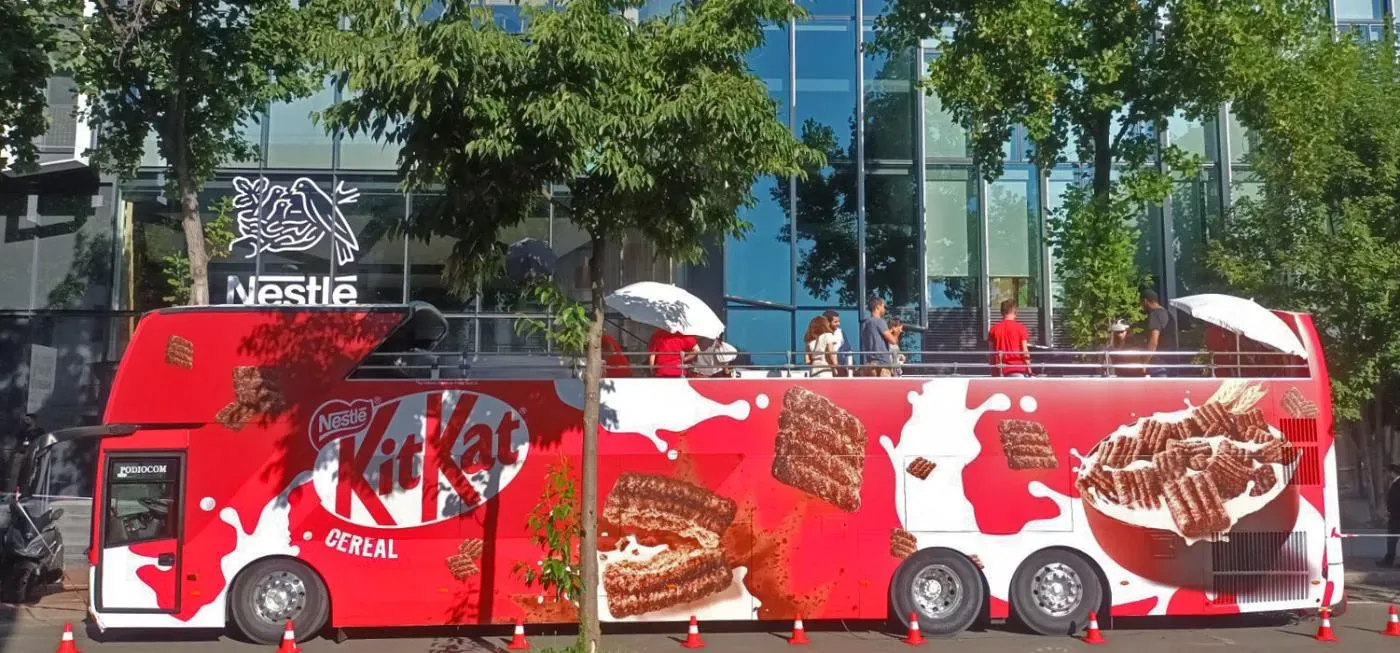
x=875 y=340
x=670 y=352
x=821 y=346
x=843 y=345
x=1159 y=321
x=615 y=363
x=1010 y=343
x=897 y=358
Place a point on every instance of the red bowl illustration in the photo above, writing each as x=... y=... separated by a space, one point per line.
x=1164 y=557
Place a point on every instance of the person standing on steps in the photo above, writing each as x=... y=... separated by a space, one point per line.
x=1392 y=507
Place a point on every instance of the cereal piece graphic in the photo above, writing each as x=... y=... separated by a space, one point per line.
x=258 y=389
x=1211 y=419
x=232 y=416
x=1155 y=435
x=179 y=352
x=659 y=503
x=1249 y=420
x=463 y=565
x=1138 y=488
x=1101 y=482
x=902 y=543
x=1026 y=444
x=1230 y=473
x=820 y=449
x=1117 y=454
x=1277 y=451
x=920 y=468
x=1230 y=450
x=1196 y=506
x=1297 y=406
x=1198 y=462
x=1264 y=480
x=671 y=578
x=1192 y=447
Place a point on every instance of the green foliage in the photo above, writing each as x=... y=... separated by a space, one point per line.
x=1322 y=236
x=29 y=39
x=1095 y=251
x=218 y=239
x=554 y=526
x=567 y=324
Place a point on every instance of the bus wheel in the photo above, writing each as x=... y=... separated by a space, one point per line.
x=1054 y=591
x=270 y=592
x=942 y=587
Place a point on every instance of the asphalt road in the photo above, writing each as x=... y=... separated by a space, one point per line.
x=37 y=629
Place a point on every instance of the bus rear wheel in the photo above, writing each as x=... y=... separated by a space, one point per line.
x=942 y=587
x=270 y=592
x=1053 y=592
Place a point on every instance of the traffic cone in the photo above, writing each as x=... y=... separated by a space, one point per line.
x=1392 y=624
x=66 y=645
x=692 y=637
x=289 y=640
x=1324 y=632
x=518 y=643
x=916 y=637
x=799 y=633
x=1093 y=635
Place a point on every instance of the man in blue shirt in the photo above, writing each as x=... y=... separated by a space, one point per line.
x=875 y=340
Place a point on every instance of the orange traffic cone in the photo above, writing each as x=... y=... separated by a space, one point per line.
x=1092 y=635
x=799 y=633
x=518 y=643
x=1392 y=624
x=289 y=640
x=915 y=637
x=692 y=638
x=66 y=645
x=1324 y=632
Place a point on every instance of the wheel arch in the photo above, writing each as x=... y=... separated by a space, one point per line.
x=228 y=591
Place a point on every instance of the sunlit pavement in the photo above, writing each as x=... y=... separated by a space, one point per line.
x=36 y=629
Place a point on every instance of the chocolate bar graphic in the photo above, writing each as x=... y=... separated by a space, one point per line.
x=672 y=578
x=659 y=503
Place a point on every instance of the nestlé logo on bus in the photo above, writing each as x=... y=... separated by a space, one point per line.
x=337 y=419
x=417 y=459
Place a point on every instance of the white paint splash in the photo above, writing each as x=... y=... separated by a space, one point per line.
x=206 y=504
x=1028 y=404
x=761 y=401
x=646 y=407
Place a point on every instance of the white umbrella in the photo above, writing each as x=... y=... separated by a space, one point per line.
x=668 y=307
x=1244 y=317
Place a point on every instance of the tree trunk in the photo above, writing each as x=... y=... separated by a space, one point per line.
x=194 y=241
x=1103 y=157
x=592 y=396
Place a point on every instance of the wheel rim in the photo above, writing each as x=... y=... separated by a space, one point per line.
x=1058 y=589
x=937 y=591
x=279 y=596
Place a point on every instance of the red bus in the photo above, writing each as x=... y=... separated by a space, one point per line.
x=261 y=465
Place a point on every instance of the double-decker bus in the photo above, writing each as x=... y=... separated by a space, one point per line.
x=266 y=464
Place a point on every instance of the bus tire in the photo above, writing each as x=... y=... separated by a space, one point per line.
x=1053 y=592
x=269 y=592
x=942 y=587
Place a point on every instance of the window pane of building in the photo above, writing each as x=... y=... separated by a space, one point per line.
x=762 y=335
x=1240 y=145
x=293 y=140
x=828 y=7
x=1014 y=245
x=826 y=85
x=374 y=265
x=56 y=252
x=951 y=258
x=769 y=62
x=943 y=137
x=889 y=106
x=759 y=266
x=892 y=238
x=363 y=152
x=827 y=246
x=1189 y=135
x=1358 y=9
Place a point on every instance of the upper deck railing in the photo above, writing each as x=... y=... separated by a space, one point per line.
x=1044 y=363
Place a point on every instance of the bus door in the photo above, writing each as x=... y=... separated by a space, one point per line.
x=138 y=569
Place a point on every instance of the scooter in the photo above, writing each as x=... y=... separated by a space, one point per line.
x=32 y=552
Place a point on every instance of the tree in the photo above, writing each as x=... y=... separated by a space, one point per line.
x=194 y=73
x=29 y=41
x=654 y=125
x=1100 y=76
x=1322 y=237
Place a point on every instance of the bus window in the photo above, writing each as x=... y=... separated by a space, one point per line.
x=141 y=501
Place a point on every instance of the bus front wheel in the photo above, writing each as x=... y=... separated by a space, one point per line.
x=1053 y=592
x=942 y=587
x=270 y=592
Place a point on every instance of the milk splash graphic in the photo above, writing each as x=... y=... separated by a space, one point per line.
x=648 y=406
x=942 y=429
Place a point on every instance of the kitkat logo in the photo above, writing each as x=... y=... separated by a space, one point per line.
x=415 y=460
x=336 y=419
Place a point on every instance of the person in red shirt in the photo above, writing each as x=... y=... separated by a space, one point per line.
x=1011 y=344
x=670 y=352
x=615 y=363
